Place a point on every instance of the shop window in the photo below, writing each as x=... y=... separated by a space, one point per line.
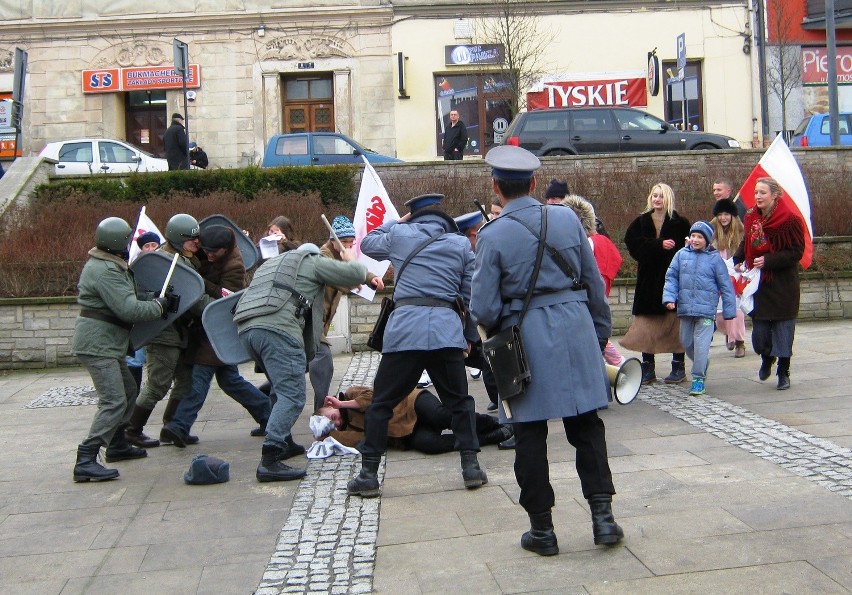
x=684 y=101
x=484 y=105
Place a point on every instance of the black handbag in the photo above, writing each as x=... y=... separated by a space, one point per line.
x=505 y=349
x=376 y=338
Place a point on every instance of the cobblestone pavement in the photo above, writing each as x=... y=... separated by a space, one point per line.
x=328 y=544
x=814 y=458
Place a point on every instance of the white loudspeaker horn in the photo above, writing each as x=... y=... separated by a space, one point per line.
x=625 y=380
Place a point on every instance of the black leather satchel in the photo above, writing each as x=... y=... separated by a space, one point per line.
x=376 y=338
x=505 y=350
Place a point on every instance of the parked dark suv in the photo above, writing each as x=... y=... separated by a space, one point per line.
x=577 y=131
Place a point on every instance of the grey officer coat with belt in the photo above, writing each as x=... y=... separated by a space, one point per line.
x=442 y=270
x=562 y=327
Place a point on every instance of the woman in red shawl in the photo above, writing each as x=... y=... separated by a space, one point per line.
x=774 y=242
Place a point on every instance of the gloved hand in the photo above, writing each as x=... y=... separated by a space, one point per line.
x=602 y=343
x=169 y=303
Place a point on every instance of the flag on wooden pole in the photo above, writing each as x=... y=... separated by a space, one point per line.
x=780 y=164
x=144 y=225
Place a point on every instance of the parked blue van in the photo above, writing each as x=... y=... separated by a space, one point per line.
x=815 y=131
x=318 y=148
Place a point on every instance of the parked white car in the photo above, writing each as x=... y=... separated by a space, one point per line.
x=86 y=156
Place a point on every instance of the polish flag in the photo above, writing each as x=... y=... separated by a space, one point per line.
x=144 y=225
x=778 y=163
x=373 y=209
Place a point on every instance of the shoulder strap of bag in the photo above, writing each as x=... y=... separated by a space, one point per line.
x=554 y=254
x=538 y=257
x=412 y=255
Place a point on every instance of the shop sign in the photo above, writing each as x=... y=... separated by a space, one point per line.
x=815 y=65
x=629 y=91
x=6 y=113
x=464 y=55
x=145 y=78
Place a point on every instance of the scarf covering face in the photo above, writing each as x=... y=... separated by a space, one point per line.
x=781 y=230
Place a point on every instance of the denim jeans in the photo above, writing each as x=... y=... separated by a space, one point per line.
x=696 y=334
x=232 y=383
x=284 y=361
x=116 y=396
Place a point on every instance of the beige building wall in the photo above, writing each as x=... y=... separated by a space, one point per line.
x=594 y=43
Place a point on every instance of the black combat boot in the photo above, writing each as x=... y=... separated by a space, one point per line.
x=783 y=373
x=604 y=528
x=87 y=467
x=678 y=374
x=540 y=538
x=649 y=373
x=765 y=370
x=272 y=469
x=499 y=434
x=119 y=449
x=291 y=449
x=366 y=483
x=133 y=432
x=474 y=477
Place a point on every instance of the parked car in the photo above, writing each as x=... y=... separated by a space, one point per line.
x=815 y=131
x=318 y=148
x=85 y=156
x=577 y=131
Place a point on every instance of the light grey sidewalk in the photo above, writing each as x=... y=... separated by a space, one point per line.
x=745 y=490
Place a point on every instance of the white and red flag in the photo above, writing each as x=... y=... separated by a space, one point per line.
x=144 y=225
x=373 y=209
x=778 y=163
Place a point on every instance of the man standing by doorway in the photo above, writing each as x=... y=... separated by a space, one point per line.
x=175 y=143
x=455 y=138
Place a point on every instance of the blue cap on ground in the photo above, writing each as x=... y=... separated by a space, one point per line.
x=343 y=227
x=204 y=470
x=424 y=200
x=512 y=163
x=704 y=229
x=468 y=220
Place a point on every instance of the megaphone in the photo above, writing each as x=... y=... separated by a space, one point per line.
x=625 y=380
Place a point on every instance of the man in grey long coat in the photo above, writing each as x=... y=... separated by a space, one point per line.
x=565 y=329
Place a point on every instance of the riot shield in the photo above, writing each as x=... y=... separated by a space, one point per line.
x=218 y=321
x=250 y=253
x=150 y=271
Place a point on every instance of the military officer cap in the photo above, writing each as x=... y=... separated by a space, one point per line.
x=468 y=220
x=512 y=163
x=424 y=200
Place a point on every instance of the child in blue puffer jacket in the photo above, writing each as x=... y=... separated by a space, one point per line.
x=694 y=280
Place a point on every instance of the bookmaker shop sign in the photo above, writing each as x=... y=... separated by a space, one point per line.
x=112 y=80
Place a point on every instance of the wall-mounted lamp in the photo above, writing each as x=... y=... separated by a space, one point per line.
x=261 y=31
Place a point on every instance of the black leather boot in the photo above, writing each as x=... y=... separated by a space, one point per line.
x=649 y=373
x=119 y=449
x=678 y=374
x=497 y=435
x=87 y=467
x=604 y=528
x=783 y=373
x=474 y=476
x=133 y=432
x=272 y=469
x=291 y=449
x=366 y=483
x=765 y=370
x=540 y=538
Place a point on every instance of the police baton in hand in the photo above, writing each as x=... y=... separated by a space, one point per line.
x=479 y=206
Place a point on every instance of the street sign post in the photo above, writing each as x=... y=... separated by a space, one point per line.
x=681 y=71
x=181 y=52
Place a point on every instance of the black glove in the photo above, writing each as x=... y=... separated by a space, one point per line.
x=602 y=343
x=169 y=303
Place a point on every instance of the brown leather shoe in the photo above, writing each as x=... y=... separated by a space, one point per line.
x=138 y=438
x=740 y=349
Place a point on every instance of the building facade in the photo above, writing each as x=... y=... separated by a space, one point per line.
x=384 y=73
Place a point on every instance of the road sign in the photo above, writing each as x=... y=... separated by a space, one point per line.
x=681 y=51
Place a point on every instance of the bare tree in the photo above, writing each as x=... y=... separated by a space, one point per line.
x=784 y=71
x=526 y=41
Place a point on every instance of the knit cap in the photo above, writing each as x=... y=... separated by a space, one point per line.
x=704 y=229
x=342 y=226
x=147 y=238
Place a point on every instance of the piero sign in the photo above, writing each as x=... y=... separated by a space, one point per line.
x=594 y=90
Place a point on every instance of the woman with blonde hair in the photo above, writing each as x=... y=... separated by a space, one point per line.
x=728 y=235
x=652 y=240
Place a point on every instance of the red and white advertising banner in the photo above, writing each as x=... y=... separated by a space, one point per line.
x=111 y=80
x=619 y=89
x=815 y=66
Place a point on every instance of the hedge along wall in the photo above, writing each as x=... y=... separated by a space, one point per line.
x=36 y=333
